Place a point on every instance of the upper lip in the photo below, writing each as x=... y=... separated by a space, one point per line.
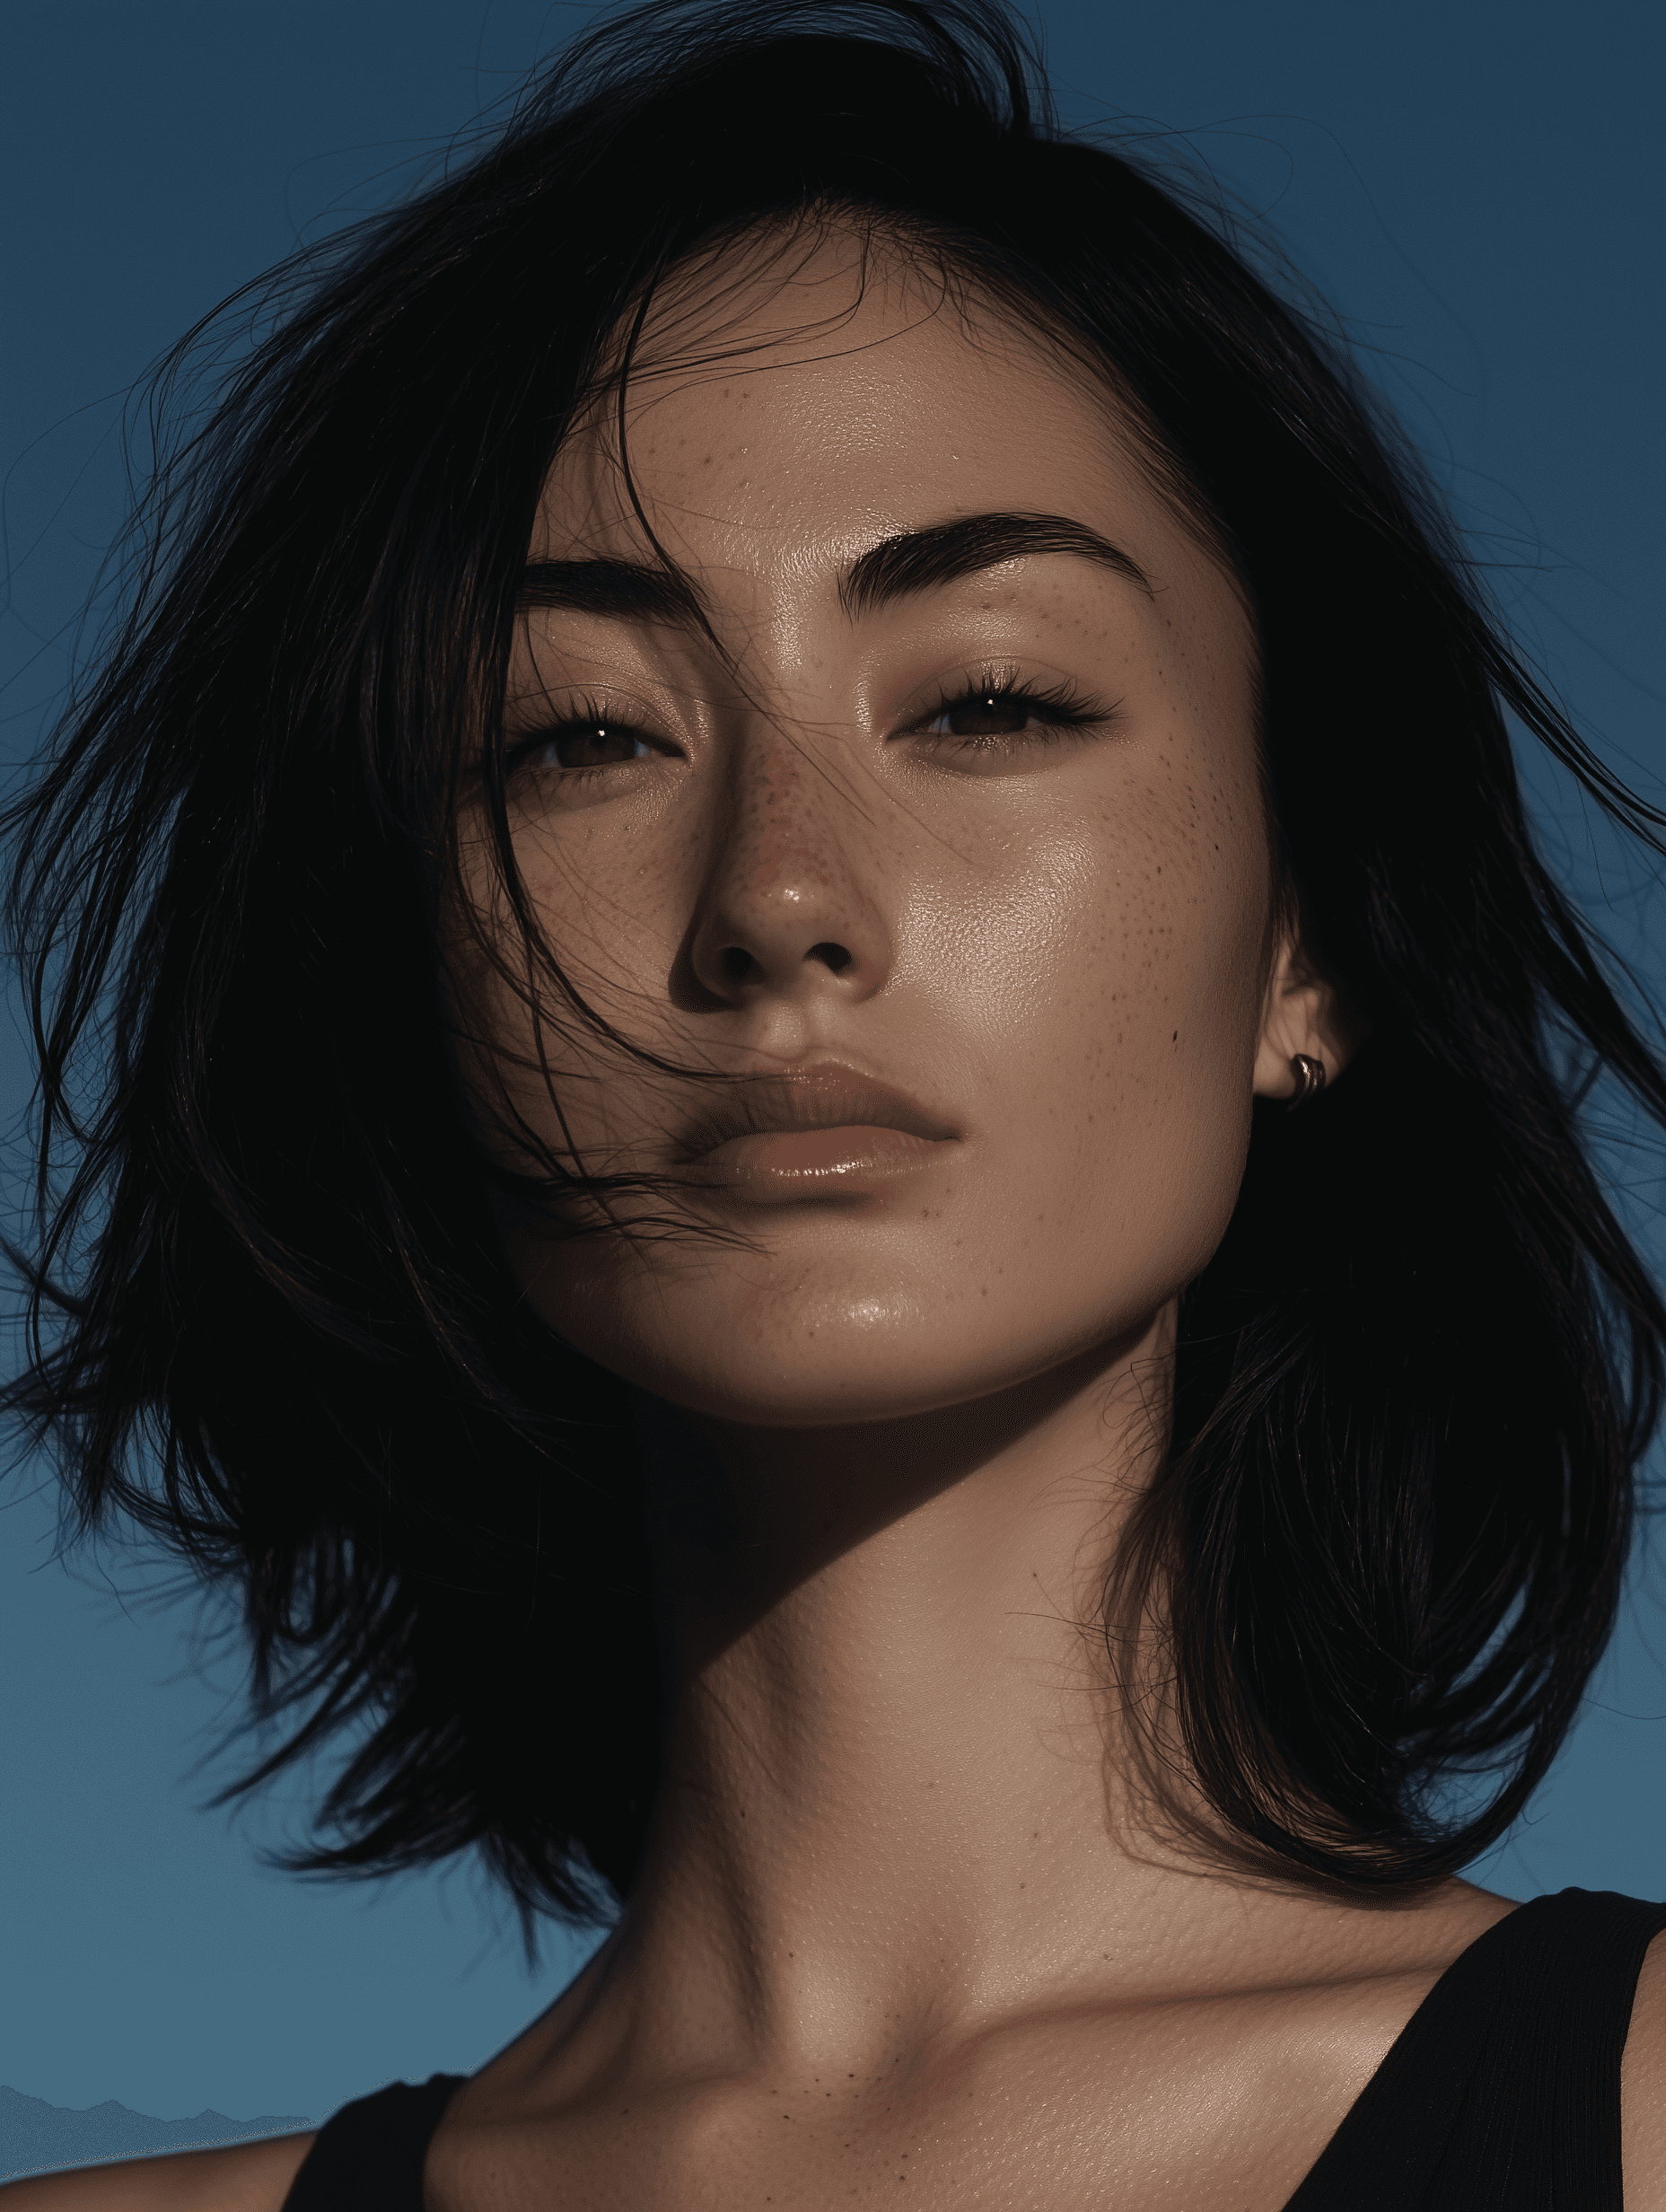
x=828 y=1097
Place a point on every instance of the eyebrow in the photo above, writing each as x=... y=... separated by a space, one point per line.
x=915 y=561
x=922 y=560
x=631 y=591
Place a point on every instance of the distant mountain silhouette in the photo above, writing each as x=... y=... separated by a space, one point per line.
x=35 y=2135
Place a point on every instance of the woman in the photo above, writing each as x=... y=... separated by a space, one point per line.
x=762 y=750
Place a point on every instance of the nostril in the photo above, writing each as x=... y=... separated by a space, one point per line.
x=833 y=956
x=738 y=964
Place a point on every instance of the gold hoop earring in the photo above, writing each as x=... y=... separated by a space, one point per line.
x=1309 y=1076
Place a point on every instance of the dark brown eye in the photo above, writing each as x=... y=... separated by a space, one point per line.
x=597 y=746
x=585 y=745
x=994 y=713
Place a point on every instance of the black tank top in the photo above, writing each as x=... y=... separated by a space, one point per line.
x=1500 y=2094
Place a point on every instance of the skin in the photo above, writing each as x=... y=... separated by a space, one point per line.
x=903 y=1919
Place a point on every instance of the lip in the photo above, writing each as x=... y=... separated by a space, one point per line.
x=824 y=1131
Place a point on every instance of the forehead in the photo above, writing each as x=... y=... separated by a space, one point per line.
x=787 y=409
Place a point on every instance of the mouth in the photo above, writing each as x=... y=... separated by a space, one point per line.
x=824 y=1132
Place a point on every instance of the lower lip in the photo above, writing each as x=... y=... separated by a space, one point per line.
x=781 y=1165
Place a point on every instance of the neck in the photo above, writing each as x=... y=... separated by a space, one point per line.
x=886 y=1793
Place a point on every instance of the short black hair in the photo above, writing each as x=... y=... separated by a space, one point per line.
x=268 y=1315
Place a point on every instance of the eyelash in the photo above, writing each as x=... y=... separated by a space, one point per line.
x=1060 y=707
x=588 y=714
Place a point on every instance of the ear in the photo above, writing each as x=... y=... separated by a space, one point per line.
x=1303 y=1012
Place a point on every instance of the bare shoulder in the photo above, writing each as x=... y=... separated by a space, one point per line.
x=1643 y=2088
x=244 y=2177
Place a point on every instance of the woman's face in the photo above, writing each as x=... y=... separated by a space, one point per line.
x=955 y=852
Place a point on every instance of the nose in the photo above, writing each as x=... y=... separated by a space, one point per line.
x=789 y=904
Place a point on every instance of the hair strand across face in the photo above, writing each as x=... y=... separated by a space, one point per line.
x=268 y=1316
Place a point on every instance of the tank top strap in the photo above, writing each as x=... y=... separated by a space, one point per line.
x=368 y=2157
x=1502 y=2092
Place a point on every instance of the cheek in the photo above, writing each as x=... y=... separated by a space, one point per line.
x=1132 y=922
x=604 y=903
x=1167 y=1075
x=600 y=893
x=502 y=1048
x=1106 y=971
x=998 y=945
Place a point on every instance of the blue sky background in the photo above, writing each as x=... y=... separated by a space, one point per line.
x=1476 y=184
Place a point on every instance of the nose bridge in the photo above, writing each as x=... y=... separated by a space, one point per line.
x=787 y=901
x=786 y=842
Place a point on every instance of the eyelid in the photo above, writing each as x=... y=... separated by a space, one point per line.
x=1064 y=699
x=576 y=710
x=1061 y=700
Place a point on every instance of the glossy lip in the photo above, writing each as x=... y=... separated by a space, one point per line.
x=819 y=1130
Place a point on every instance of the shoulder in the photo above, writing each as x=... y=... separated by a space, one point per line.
x=244 y=2177
x=1643 y=2088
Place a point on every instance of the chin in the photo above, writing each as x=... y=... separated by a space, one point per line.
x=777 y=1362
x=767 y=1359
